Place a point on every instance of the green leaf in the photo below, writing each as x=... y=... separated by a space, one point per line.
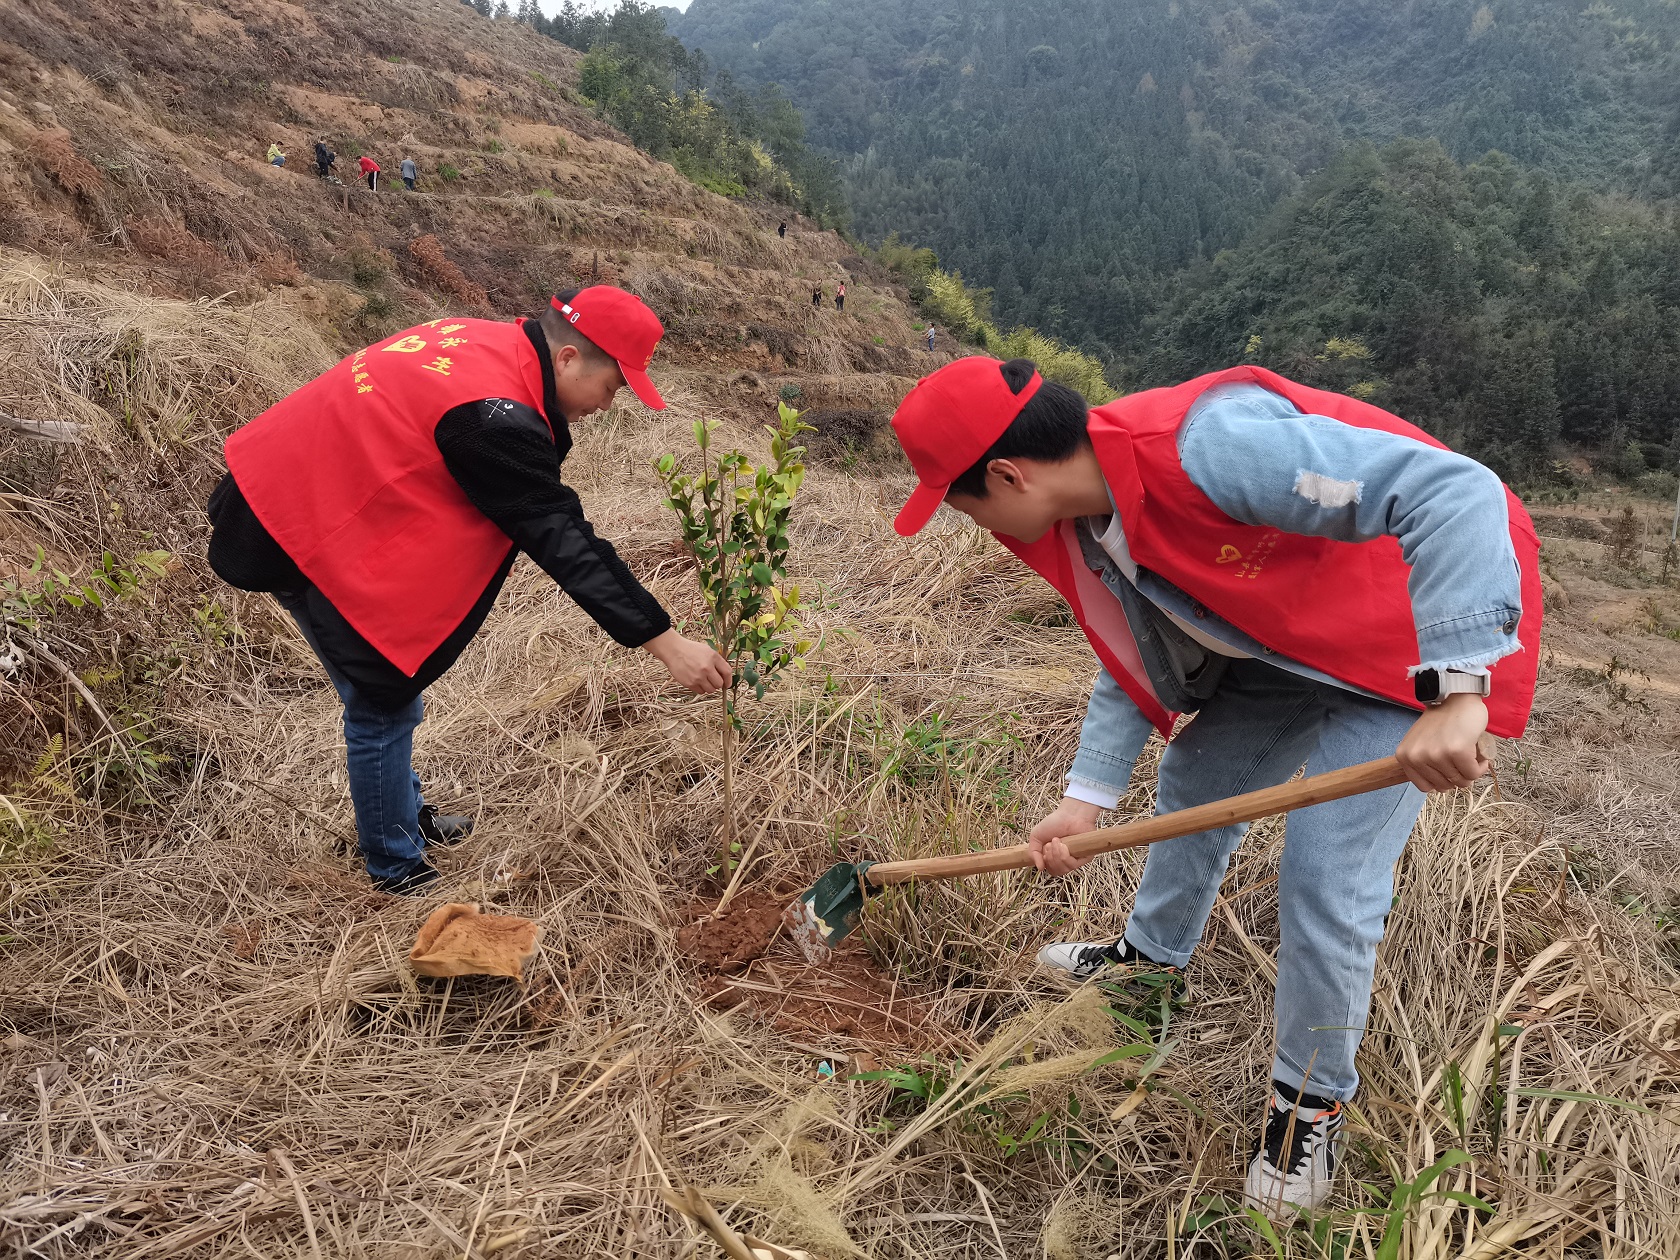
x=1466 y=1198
x=1135 y=1051
x=1263 y=1227
x=1570 y=1095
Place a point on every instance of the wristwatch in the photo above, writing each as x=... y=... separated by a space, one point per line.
x=1435 y=685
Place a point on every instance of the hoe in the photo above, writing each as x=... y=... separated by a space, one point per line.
x=828 y=911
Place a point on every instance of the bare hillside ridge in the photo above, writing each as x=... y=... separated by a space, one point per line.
x=210 y=1042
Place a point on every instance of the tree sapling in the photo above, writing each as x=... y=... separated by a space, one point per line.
x=734 y=519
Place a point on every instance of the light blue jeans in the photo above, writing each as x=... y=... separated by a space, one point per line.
x=1336 y=884
x=384 y=789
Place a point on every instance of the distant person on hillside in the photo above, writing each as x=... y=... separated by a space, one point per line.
x=781 y=230
x=324 y=158
x=410 y=173
x=276 y=154
x=384 y=502
x=1322 y=584
x=931 y=331
x=840 y=297
x=816 y=296
x=370 y=168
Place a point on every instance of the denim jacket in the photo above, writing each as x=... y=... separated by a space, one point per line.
x=1263 y=462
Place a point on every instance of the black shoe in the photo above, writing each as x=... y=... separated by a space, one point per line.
x=407 y=885
x=445 y=829
x=1293 y=1168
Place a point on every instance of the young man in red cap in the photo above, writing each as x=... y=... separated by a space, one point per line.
x=384 y=503
x=1322 y=584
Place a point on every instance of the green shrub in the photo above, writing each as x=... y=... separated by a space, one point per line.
x=1056 y=362
x=966 y=314
x=963 y=311
x=1657 y=484
x=447 y=173
x=734 y=519
x=915 y=265
x=378 y=307
x=366 y=267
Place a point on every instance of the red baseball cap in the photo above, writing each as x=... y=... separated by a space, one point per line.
x=947 y=422
x=623 y=326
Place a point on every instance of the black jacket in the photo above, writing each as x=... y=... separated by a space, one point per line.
x=508 y=464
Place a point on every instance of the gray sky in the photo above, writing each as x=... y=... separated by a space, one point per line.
x=549 y=6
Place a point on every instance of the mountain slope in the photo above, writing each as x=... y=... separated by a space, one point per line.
x=1075 y=155
x=213 y=1044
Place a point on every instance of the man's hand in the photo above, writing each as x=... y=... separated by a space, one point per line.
x=695 y=665
x=1044 y=845
x=1440 y=752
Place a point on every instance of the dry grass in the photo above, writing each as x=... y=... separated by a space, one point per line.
x=172 y=373
x=69 y=169
x=212 y=1046
x=216 y=1049
x=593 y=222
x=427 y=251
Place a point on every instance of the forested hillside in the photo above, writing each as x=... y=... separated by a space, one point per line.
x=1079 y=157
x=1480 y=300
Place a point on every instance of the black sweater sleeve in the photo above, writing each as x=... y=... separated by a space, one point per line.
x=508 y=465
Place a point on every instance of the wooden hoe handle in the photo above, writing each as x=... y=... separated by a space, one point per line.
x=1370 y=776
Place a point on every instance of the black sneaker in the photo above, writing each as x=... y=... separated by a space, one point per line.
x=1294 y=1165
x=407 y=885
x=444 y=829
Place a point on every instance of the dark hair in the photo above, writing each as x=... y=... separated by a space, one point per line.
x=1050 y=428
x=559 y=331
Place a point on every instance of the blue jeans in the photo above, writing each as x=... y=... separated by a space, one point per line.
x=379 y=746
x=1336 y=883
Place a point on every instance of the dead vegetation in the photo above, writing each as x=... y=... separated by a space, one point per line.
x=427 y=251
x=214 y=1046
x=72 y=172
x=215 y=1035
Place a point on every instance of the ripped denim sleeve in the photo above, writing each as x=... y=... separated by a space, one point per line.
x=1263 y=462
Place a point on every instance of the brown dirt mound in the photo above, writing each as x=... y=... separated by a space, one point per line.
x=728 y=942
x=746 y=963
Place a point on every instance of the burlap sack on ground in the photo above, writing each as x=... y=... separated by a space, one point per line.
x=456 y=940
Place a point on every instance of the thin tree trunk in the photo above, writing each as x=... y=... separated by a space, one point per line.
x=728 y=786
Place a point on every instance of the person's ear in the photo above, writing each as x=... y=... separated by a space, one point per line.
x=565 y=355
x=1008 y=472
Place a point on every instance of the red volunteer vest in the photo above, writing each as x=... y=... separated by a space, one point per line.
x=1341 y=608
x=346 y=475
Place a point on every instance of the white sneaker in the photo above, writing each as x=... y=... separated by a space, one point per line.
x=1084 y=959
x=1294 y=1165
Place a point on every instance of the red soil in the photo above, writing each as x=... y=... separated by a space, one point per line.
x=744 y=962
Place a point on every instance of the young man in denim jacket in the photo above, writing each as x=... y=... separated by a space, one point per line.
x=1321 y=584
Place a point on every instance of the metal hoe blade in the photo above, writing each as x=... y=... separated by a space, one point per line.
x=826 y=913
